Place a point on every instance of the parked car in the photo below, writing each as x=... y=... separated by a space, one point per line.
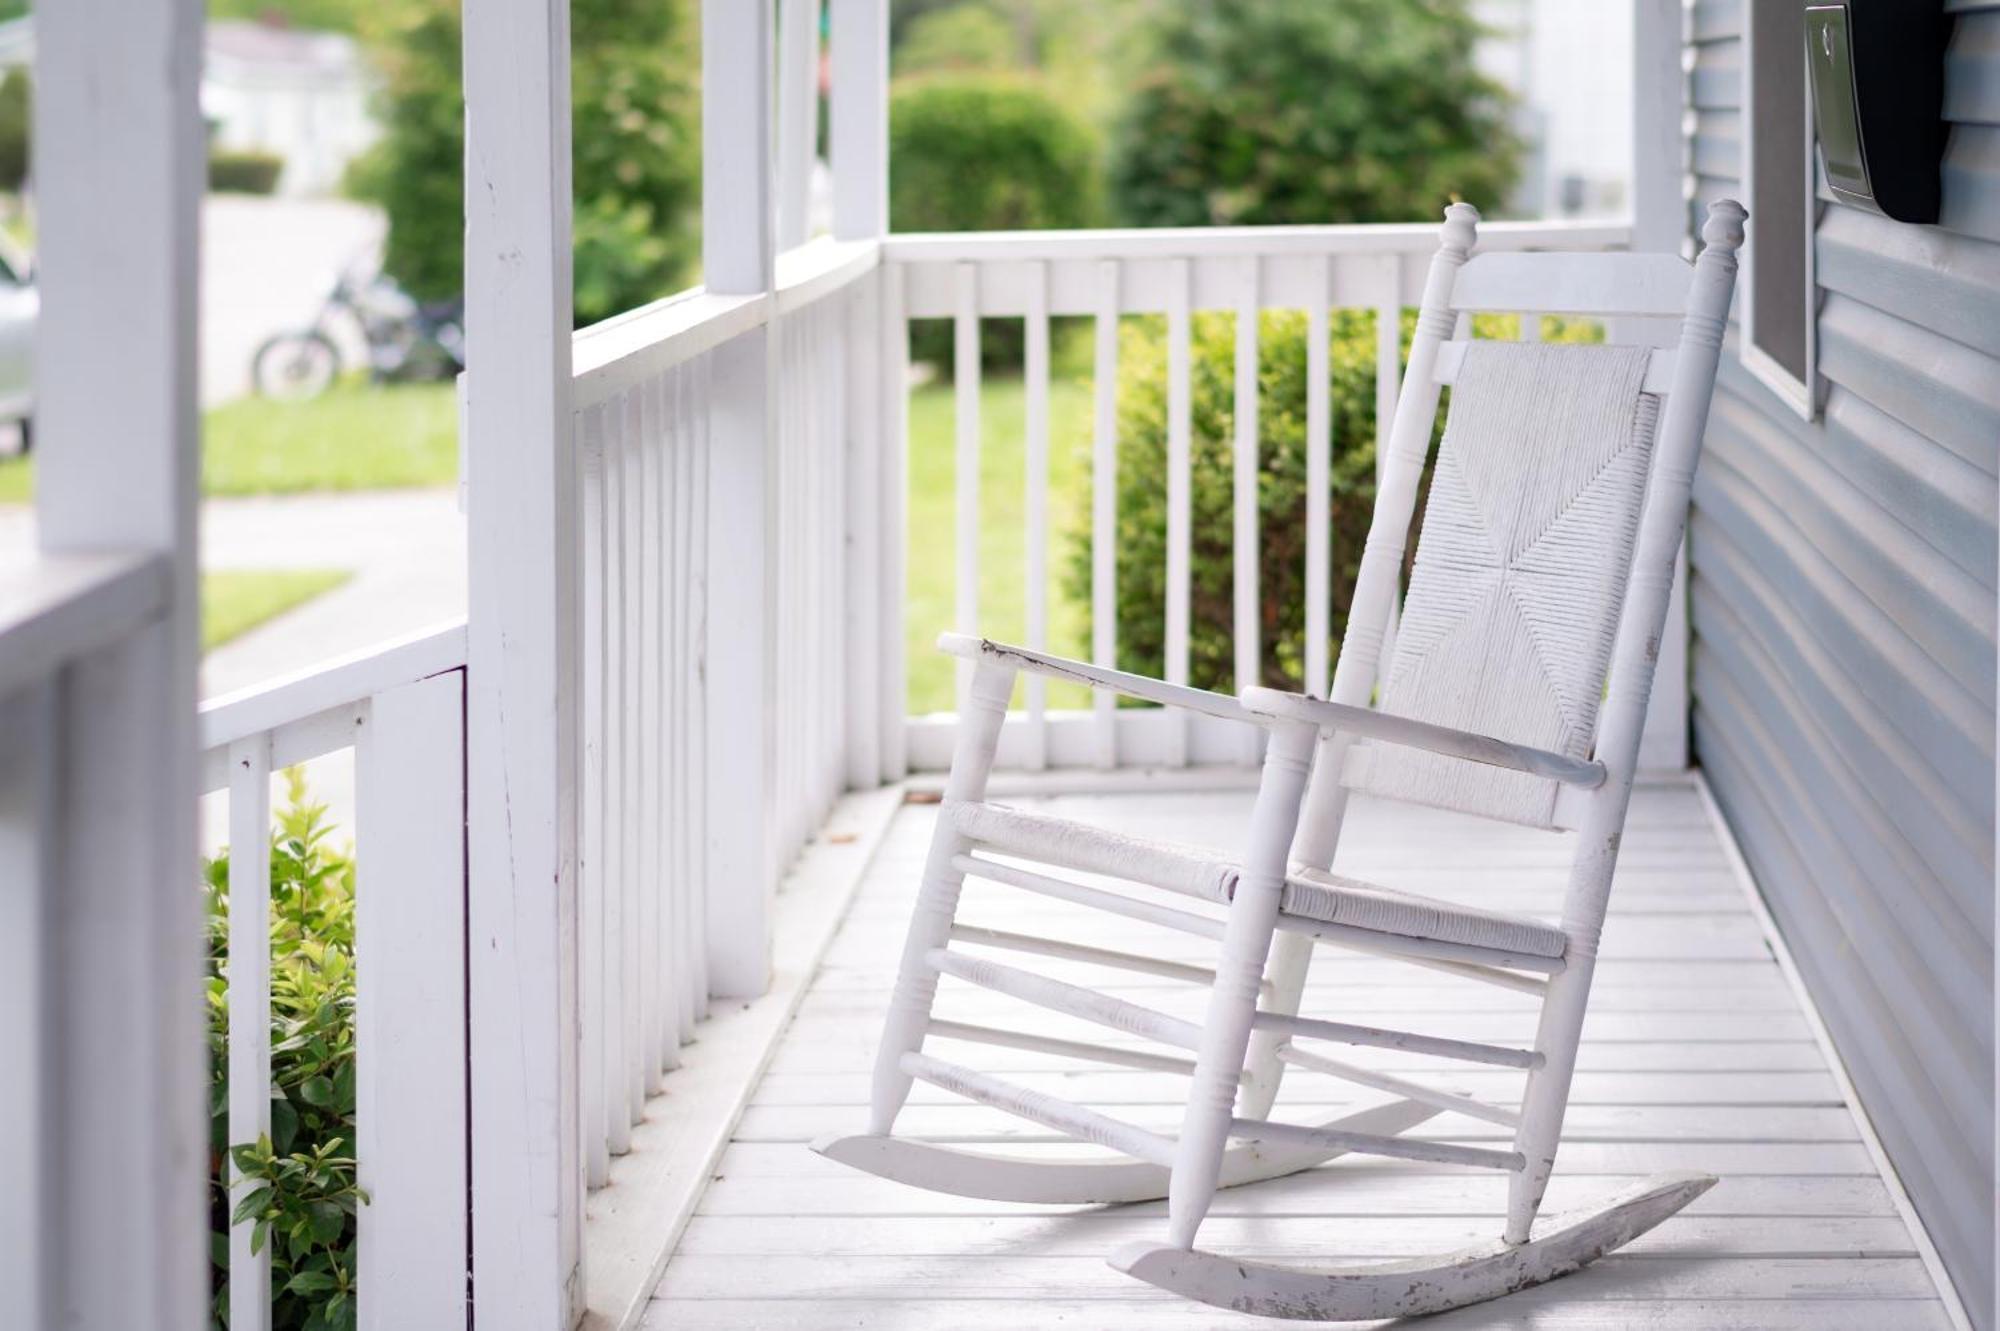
x=20 y=305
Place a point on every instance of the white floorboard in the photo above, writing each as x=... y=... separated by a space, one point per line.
x=1695 y=1056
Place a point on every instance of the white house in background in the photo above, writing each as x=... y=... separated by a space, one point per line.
x=1567 y=61
x=267 y=87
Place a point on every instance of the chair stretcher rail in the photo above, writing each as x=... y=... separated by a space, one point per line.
x=1096 y=956
x=1069 y=999
x=1340 y=1032
x=1403 y=1086
x=1368 y=1143
x=1048 y=1044
x=1111 y=903
x=1047 y=1110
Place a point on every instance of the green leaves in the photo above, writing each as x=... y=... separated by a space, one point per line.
x=1259 y=112
x=298 y=1186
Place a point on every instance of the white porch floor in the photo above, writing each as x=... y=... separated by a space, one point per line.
x=1696 y=1056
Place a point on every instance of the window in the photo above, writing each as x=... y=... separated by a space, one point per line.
x=1777 y=287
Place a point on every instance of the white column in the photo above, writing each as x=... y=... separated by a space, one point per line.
x=1659 y=223
x=738 y=256
x=522 y=676
x=858 y=146
x=121 y=1059
x=858 y=118
x=798 y=118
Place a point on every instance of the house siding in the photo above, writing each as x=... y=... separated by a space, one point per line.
x=1843 y=599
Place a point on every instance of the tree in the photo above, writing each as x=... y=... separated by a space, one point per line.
x=1258 y=112
x=636 y=154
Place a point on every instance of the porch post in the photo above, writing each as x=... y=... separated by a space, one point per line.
x=858 y=132
x=522 y=673
x=117 y=1123
x=739 y=256
x=1659 y=223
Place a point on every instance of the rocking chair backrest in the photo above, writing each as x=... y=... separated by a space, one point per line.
x=1525 y=573
x=1520 y=573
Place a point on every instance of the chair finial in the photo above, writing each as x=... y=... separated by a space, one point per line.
x=1461 y=229
x=1724 y=227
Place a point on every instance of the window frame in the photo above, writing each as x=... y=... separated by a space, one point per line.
x=1803 y=396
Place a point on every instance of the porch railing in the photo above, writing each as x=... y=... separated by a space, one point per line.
x=401 y=710
x=1106 y=276
x=693 y=628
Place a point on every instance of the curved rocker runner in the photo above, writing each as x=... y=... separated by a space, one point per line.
x=1555 y=514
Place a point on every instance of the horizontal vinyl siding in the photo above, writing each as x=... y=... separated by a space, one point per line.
x=1843 y=598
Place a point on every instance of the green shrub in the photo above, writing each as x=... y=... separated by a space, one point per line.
x=986 y=152
x=1281 y=487
x=1254 y=112
x=16 y=106
x=967 y=36
x=244 y=171
x=305 y=1195
x=636 y=149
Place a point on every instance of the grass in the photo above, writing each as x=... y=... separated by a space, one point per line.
x=234 y=601
x=356 y=437
x=1003 y=523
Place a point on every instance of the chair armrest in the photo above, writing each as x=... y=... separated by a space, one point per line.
x=1371 y=724
x=1100 y=677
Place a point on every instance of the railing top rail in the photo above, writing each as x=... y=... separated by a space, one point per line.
x=330 y=684
x=1190 y=242
x=611 y=356
x=54 y=608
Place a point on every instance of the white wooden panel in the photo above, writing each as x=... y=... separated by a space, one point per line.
x=27 y=1025
x=249 y=998
x=798 y=116
x=1180 y=490
x=866 y=535
x=620 y=926
x=1388 y=387
x=858 y=117
x=118 y=147
x=965 y=459
x=895 y=370
x=1650 y=285
x=1244 y=455
x=740 y=624
x=1036 y=484
x=411 y=1125
x=1319 y=482
x=1104 y=509
x=594 y=996
x=522 y=669
x=631 y=723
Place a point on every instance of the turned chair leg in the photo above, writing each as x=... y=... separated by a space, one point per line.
x=1547 y=1097
x=1239 y=975
x=937 y=898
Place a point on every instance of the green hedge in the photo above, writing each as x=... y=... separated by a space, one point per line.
x=246 y=171
x=986 y=152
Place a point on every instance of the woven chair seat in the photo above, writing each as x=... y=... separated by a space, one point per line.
x=1197 y=871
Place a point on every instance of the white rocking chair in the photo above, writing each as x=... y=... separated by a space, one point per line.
x=1546 y=560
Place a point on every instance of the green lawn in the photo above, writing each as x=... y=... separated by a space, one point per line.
x=356 y=437
x=1003 y=521
x=234 y=601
